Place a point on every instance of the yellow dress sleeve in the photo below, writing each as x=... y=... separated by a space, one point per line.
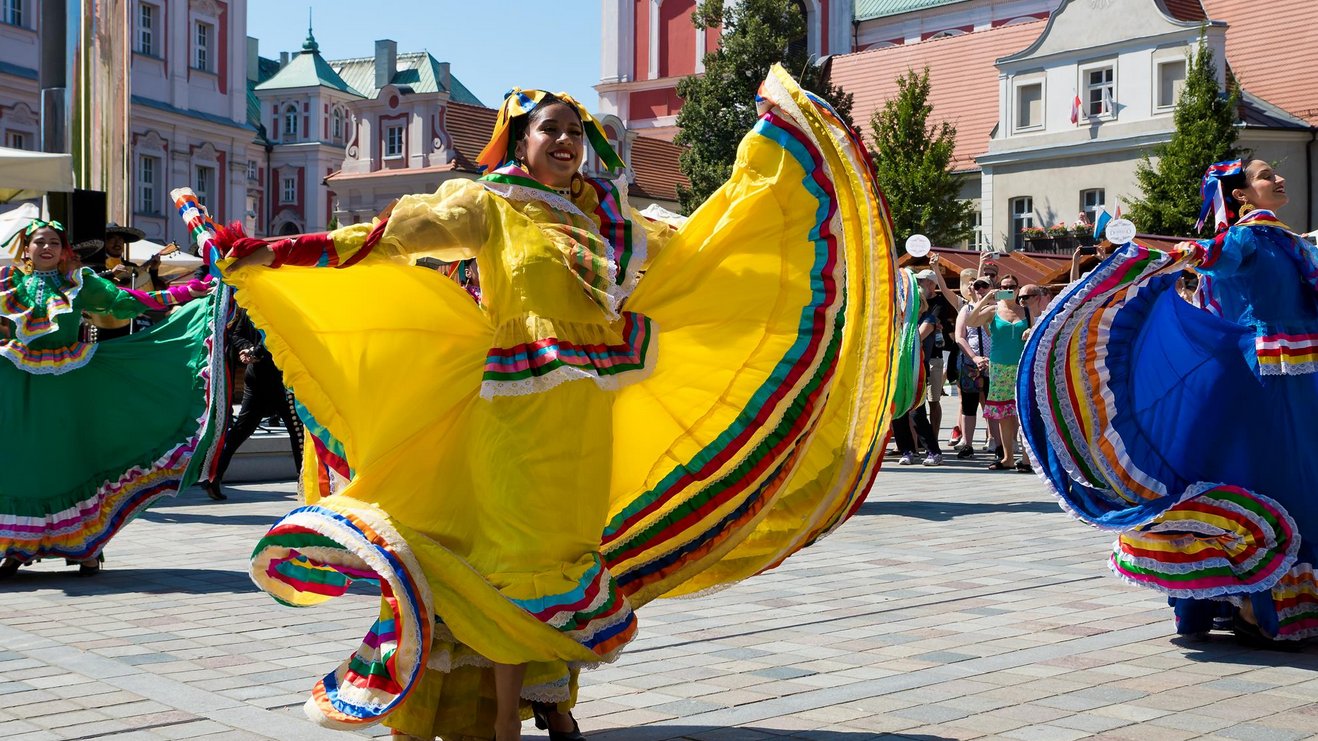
x=451 y=224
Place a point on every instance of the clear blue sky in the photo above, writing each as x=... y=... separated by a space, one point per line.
x=492 y=45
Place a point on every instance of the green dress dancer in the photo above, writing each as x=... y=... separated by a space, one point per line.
x=93 y=433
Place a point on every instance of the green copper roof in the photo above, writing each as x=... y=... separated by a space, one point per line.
x=416 y=70
x=868 y=9
x=308 y=69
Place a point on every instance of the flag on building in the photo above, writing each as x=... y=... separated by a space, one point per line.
x=1100 y=222
x=1075 y=109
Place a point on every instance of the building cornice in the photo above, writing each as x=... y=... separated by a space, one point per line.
x=1073 y=149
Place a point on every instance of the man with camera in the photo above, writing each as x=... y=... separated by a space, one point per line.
x=264 y=395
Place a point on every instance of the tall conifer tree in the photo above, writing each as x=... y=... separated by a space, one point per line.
x=1205 y=133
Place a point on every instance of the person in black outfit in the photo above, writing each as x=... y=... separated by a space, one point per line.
x=264 y=395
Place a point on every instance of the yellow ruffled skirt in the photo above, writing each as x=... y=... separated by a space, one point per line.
x=527 y=529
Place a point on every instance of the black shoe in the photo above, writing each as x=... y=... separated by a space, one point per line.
x=965 y=452
x=92 y=566
x=541 y=711
x=213 y=490
x=9 y=567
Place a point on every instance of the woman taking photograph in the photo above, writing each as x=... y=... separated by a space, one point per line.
x=1125 y=378
x=581 y=441
x=1003 y=316
x=95 y=432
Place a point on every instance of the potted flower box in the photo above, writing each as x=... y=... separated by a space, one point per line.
x=1036 y=239
x=1061 y=236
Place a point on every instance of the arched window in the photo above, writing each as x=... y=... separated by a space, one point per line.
x=290 y=127
x=336 y=124
x=801 y=44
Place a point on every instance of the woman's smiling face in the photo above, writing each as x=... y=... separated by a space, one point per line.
x=554 y=144
x=45 y=248
x=1266 y=188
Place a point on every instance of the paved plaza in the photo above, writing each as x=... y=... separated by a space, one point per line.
x=958 y=603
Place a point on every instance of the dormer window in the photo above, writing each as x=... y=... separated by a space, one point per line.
x=290 y=128
x=393 y=142
x=1029 y=106
x=1171 y=80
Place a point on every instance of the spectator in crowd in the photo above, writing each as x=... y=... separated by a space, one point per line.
x=939 y=302
x=1002 y=314
x=973 y=373
x=910 y=428
x=1101 y=251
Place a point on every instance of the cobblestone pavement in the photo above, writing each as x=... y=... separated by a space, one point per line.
x=958 y=603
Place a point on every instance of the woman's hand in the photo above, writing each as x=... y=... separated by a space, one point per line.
x=262 y=255
x=197 y=291
x=981 y=362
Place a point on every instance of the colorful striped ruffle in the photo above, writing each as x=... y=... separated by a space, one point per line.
x=1219 y=540
x=1287 y=354
x=28 y=324
x=1066 y=405
x=534 y=367
x=313 y=554
x=703 y=505
x=51 y=361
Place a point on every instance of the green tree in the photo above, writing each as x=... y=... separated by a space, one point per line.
x=719 y=106
x=913 y=157
x=1205 y=133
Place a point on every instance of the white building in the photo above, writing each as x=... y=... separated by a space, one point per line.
x=188 y=117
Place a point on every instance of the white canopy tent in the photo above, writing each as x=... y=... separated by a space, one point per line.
x=25 y=174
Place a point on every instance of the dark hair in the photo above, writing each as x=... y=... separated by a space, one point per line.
x=1002 y=278
x=522 y=124
x=1232 y=182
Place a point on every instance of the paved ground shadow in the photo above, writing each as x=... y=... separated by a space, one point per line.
x=713 y=733
x=943 y=511
x=1222 y=648
x=53 y=574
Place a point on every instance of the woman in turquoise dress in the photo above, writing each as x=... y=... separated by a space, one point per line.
x=92 y=433
x=1006 y=321
x=1187 y=429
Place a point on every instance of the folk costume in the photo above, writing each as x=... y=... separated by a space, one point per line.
x=526 y=472
x=1185 y=429
x=77 y=463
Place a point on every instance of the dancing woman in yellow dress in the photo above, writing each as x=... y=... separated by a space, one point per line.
x=527 y=471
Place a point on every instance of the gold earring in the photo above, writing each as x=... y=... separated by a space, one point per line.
x=1246 y=207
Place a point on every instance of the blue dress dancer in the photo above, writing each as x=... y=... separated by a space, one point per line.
x=1187 y=429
